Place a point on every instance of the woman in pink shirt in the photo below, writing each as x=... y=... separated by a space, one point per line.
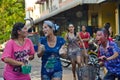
x=17 y=52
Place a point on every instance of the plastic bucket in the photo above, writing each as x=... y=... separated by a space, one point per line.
x=26 y=69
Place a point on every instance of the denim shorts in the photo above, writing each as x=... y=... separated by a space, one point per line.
x=51 y=76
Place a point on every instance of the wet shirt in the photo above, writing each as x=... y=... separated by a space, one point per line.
x=112 y=65
x=19 y=53
x=51 y=59
x=72 y=45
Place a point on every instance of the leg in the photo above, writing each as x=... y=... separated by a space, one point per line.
x=73 y=68
x=79 y=61
x=57 y=76
x=82 y=57
x=79 y=66
x=85 y=57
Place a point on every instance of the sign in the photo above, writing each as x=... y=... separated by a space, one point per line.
x=93 y=1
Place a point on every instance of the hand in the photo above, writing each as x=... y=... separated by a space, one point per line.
x=41 y=50
x=22 y=64
x=31 y=57
x=63 y=50
x=104 y=58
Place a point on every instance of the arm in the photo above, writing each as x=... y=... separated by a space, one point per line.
x=41 y=49
x=13 y=62
x=115 y=55
x=81 y=40
x=115 y=51
x=31 y=57
x=87 y=39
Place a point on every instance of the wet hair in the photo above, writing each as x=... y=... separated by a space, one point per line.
x=105 y=32
x=55 y=27
x=17 y=26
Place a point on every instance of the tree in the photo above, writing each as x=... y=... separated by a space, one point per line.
x=11 y=11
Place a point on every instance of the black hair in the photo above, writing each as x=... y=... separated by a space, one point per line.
x=17 y=26
x=107 y=26
x=105 y=32
x=84 y=26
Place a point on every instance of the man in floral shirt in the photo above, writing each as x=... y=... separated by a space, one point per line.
x=109 y=54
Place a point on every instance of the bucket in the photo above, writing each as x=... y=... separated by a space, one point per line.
x=26 y=69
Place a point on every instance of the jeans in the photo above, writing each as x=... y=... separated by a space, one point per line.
x=111 y=76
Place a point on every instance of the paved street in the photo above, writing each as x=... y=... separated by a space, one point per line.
x=35 y=75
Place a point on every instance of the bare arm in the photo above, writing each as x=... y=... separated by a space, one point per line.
x=87 y=39
x=115 y=55
x=31 y=57
x=41 y=49
x=13 y=62
x=81 y=40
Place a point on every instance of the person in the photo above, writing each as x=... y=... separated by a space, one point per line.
x=109 y=29
x=109 y=53
x=85 y=36
x=17 y=52
x=48 y=49
x=73 y=48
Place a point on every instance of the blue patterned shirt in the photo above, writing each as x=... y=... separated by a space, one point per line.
x=112 y=66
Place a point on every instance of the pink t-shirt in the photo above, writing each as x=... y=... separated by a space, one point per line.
x=19 y=53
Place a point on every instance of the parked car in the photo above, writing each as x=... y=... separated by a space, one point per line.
x=2 y=46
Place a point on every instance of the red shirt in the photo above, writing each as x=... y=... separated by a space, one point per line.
x=84 y=36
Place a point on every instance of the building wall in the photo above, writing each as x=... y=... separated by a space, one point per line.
x=106 y=13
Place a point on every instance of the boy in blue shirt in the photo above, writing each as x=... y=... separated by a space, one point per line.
x=109 y=54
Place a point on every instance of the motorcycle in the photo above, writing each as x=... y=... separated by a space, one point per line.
x=65 y=62
x=91 y=71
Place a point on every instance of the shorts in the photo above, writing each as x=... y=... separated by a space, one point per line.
x=74 y=54
x=111 y=76
x=51 y=76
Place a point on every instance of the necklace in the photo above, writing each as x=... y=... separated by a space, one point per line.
x=21 y=43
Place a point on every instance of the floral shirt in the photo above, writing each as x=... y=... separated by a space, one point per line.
x=112 y=66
